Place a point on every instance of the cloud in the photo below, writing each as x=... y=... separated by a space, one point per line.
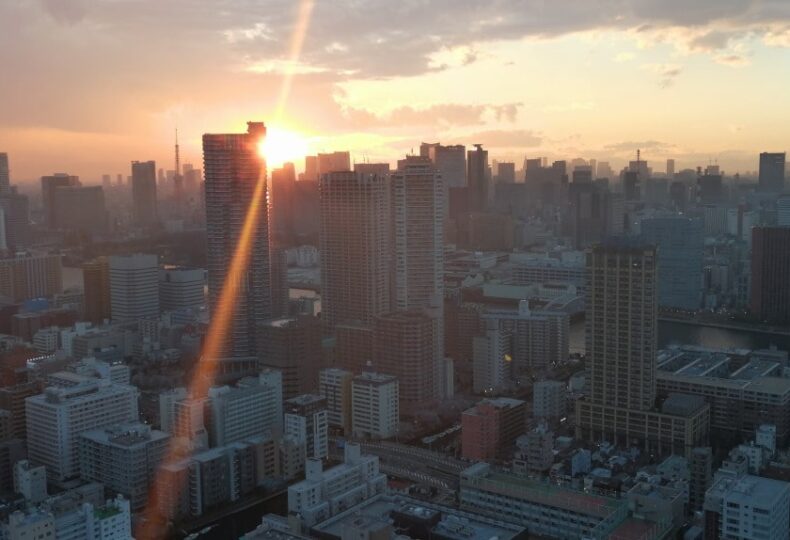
x=441 y=116
x=667 y=73
x=65 y=11
x=646 y=146
x=733 y=60
x=624 y=57
x=498 y=138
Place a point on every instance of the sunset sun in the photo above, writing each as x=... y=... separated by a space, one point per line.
x=282 y=145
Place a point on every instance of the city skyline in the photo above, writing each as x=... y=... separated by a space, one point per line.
x=567 y=82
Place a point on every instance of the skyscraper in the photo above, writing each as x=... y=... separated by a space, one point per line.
x=448 y=160
x=233 y=167
x=354 y=247
x=772 y=172
x=134 y=287
x=144 y=204
x=477 y=178
x=96 y=284
x=292 y=345
x=5 y=177
x=283 y=192
x=48 y=186
x=680 y=245
x=771 y=274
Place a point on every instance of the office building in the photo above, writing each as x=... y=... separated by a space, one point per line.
x=450 y=161
x=306 y=421
x=680 y=251
x=670 y=168
x=355 y=252
x=5 y=176
x=621 y=326
x=334 y=385
x=478 y=178
x=253 y=408
x=323 y=494
x=772 y=172
x=16 y=220
x=30 y=481
x=124 y=459
x=233 y=169
x=770 y=274
x=48 y=186
x=80 y=208
x=333 y=162
x=549 y=400
x=56 y=418
x=490 y=428
x=134 y=287
x=144 y=203
x=700 y=474
x=96 y=287
x=292 y=345
x=374 y=406
x=30 y=275
x=747 y=507
x=783 y=211
x=282 y=204
x=405 y=347
x=535 y=453
x=545 y=509
x=506 y=172
x=181 y=288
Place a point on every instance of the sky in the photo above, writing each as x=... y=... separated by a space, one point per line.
x=90 y=85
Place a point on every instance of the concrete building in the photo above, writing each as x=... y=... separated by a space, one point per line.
x=539 y=339
x=334 y=385
x=333 y=162
x=535 y=454
x=549 y=400
x=30 y=275
x=490 y=428
x=621 y=403
x=292 y=345
x=478 y=178
x=252 y=408
x=306 y=421
x=30 y=481
x=56 y=418
x=124 y=459
x=134 y=287
x=81 y=209
x=355 y=248
x=375 y=413
x=144 y=202
x=680 y=250
x=234 y=171
x=48 y=186
x=96 y=286
x=450 y=161
x=747 y=507
x=491 y=359
x=323 y=494
x=700 y=476
x=181 y=288
x=405 y=347
x=545 y=509
x=770 y=274
x=772 y=172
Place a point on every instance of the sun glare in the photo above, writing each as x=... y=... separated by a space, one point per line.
x=282 y=145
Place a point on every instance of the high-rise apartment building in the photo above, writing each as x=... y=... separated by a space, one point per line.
x=5 y=176
x=771 y=274
x=233 y=168
x=405 y=348
x=56 y=418
x=491 y=358
x=374 y=406
x=144 y=202
x=181 y=288
x=621 y=327
x=96 y=286
x=355 y=248
x=478 y=178
x=680 y=243
x=48 y=186
x=772 y=172
x=134 y=287
x=333 y=162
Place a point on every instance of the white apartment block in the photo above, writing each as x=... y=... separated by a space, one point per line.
x=56 y=418
x=306 y=421
x=374 y=406
x=548 y=399
x=181 y=288
x=322 y=494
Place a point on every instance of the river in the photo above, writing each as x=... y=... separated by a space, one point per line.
x=673 y=333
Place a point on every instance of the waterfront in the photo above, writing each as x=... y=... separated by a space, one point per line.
x=675 y=333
